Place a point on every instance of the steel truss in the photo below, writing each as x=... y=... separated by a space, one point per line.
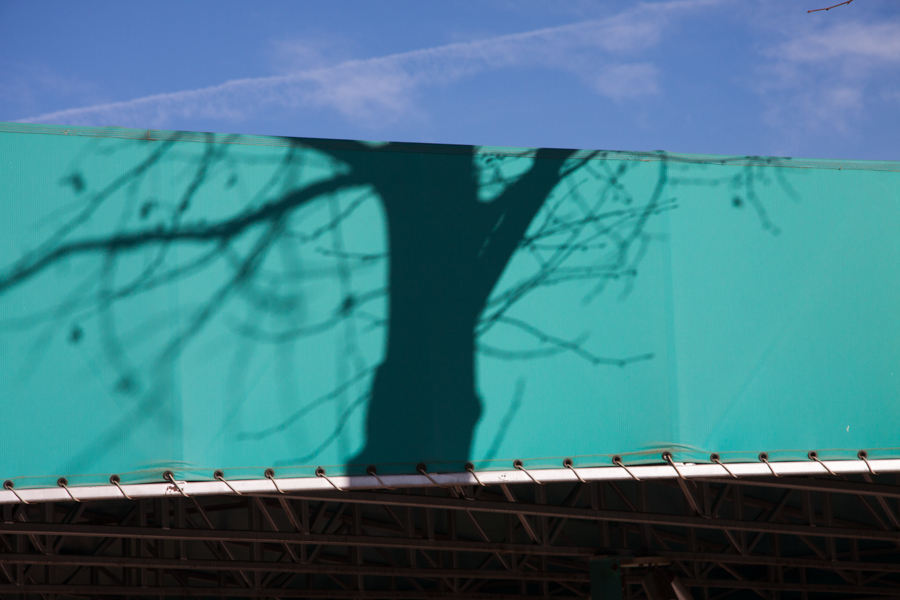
x=771 y=538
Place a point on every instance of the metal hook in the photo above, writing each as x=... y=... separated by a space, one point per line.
x=218 y=474
x=470 y=468
x=423 y=469
x=170 y=477
x=763 y=456
x=518 y=464
x=9 y=485
x=320 y=472
x=567 y=463
x=373 y=471
x=617 y=460
x=114 y=479
x=64 y=484
x=813 y=455
x=715 y=458
x=667 y=456
x=270 y=475
x=863 y=456
x=461 y=491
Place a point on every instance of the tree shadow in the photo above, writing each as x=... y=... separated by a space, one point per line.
x=394 y=259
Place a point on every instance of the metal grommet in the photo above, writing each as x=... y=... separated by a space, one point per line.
x=813 y=455
x=320 y=472
x=470 y=468
x=9 y=485
x=567 y=463
x=617 y=460
x=270 y=475
x=64 y=484
x=170 y=477
x=764 y=457
x=715 y=458
x=373 y=471
x=218 y=474
x=423 y=469
x=518 y=464
x=667 y=456
x=116 y=481
x=864 y=456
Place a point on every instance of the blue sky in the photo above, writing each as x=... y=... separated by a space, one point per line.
x=702 y=76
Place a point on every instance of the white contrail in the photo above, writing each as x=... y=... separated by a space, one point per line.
x=384 y=84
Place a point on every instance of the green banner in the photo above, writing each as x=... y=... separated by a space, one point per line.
x=196 y=302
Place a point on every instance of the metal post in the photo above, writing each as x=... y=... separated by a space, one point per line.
x=606 y=579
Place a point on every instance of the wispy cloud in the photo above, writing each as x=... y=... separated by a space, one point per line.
x=626 y=81
x=876 y=42
x=24 y=84
x=603 y=53
x=826 y=75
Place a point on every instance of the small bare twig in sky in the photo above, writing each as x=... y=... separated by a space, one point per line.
x=829 y=8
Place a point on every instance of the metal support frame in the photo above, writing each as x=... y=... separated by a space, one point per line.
x=755 y=537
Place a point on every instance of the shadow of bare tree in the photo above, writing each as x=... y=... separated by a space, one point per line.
x=396 y=251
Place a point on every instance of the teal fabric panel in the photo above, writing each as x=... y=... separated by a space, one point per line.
x=787 y=333
x=196 y=302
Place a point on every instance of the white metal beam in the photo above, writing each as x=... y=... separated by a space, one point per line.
x=367 y=482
